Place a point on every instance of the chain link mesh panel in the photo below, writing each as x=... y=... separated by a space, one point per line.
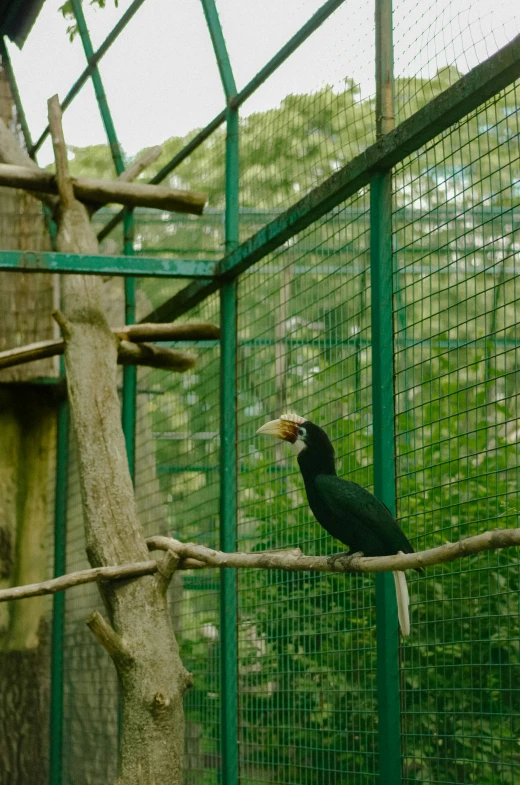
x=456 y=270
x=307 y=690
x=308 y=699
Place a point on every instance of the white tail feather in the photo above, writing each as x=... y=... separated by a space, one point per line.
x=403 y=601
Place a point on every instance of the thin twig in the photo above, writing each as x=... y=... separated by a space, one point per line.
x=166 y=569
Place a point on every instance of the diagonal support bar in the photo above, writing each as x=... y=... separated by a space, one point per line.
x=92 y=63
x=467 y=94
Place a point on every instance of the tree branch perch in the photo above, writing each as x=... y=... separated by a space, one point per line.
x=192 y=556
x=135 y=333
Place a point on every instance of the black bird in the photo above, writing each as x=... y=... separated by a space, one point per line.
x=347 y=511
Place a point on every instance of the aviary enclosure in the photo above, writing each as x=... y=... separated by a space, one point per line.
x=361 y=255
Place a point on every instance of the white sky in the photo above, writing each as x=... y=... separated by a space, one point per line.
x=161 y=78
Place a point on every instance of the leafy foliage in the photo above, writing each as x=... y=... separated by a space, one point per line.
x=68 y=14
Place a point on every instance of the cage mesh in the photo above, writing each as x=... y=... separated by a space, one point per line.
x=307 y=692
x=456 y=361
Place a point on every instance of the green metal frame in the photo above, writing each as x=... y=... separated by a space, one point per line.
x=54 y=262
x=382 y=335
x=228 y=422
x=371 y=168
x=58 y=613
x=468 y=93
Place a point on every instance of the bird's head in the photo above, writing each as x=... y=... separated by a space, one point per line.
x=309 y=442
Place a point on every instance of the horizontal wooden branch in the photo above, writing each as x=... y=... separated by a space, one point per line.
x=135 y=333
x=194 y=556
x=78 y=578
x=191 y=331
x=105 y=191
x=296 y=561
x=153 y=356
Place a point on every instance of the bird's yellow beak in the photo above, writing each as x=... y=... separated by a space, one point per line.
x=285 y=428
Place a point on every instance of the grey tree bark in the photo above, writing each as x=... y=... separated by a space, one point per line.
x=138 y=634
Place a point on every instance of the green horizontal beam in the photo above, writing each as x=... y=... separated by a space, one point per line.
x=467 y=94
x=169 y=468
x=51 y=262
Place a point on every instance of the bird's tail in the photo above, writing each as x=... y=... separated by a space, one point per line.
x=403 y=601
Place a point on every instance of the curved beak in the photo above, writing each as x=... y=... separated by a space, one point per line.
x=282 y=429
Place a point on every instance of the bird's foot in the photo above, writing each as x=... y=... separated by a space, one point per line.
x=343 y=559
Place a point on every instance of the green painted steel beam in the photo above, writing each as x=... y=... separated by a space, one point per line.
x=383 y=402
x=471 y=91
x=58 y=615
x=285 y=52
x=182 y=302
x=92 y=63
x=219 y=48
x=228 y=421
x=53 y=262
x=316 y=20
x=387 y=636
x=99 y=90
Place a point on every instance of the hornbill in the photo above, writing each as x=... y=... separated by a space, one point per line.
x=347 y=511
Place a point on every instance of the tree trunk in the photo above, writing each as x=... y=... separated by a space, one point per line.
x=139 y=637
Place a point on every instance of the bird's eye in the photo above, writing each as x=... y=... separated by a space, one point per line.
x=302 y=432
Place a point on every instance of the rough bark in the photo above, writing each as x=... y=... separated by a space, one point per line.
x=127 y=354
x=143 y=645
x=191 y=556
x=41 y=182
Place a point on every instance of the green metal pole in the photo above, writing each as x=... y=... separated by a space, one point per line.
x=58 y=616
x=228 y=422
x=129 y=406
x=384 y=474
x=228 y=477
x=389 y=725
x=98 y=87
x=92 y=63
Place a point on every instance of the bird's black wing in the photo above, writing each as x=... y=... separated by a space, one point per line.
x=349 y=502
